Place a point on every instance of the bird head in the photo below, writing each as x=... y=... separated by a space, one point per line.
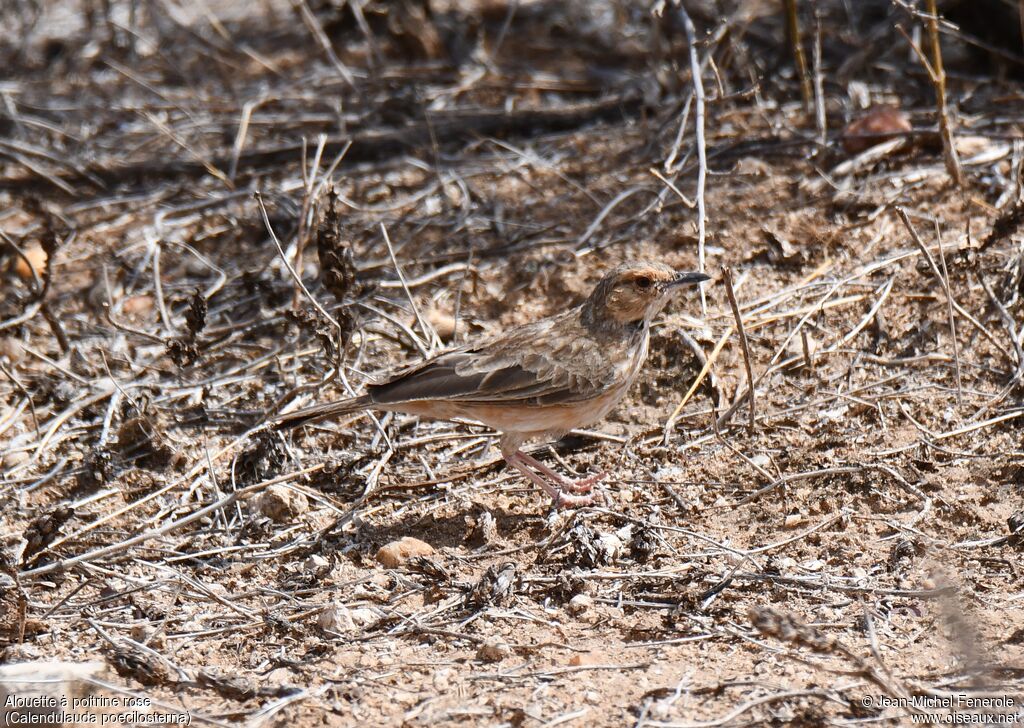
x=636 y=292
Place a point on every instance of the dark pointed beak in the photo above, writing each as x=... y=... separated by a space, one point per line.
x=689 y=278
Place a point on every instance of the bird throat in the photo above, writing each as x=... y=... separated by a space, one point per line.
x=604 y=327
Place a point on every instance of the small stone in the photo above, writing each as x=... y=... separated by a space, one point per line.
x=793 y=520
x=36 y=257
x=316 y=562
x=579 y=659
x=612 y=547
x=11 y=349
x=580 y=604
x=398 y=552
x=363 y=616
x=137 y=306
x=761 y=460
x=879 y=124
x=280 y=503
x=442 y=679
x=493 y=650
x=278 y=677
x=336 y=618
x=14 y=459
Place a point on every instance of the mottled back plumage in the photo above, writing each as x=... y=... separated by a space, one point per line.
x=554 y=361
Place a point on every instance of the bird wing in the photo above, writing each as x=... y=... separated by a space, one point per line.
x=546 y=362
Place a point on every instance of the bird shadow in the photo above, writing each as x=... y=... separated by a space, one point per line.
x=464 y=528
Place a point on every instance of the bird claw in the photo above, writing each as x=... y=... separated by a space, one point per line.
x=564 y=493
x=564 y=499
x=584 y=485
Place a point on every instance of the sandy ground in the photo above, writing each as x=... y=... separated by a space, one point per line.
x=844 y=558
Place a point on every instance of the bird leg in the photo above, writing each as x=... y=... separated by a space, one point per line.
x=551 y=484
x=583 y=485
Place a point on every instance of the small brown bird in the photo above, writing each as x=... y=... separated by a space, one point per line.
x=541 y=379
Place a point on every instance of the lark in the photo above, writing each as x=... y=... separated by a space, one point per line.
x=538 y=380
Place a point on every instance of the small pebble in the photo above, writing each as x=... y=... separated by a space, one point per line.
x=580 y=604
x=281 y=504
x=137 y=306
x=14 y=459
x=363 y=616
x=316 y=562
x=398 y=552
x=336 y=618
x=493 y=650
x=36 y=256
x=11 y=349
x=879 y=124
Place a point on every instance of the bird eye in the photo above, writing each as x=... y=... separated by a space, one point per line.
x=642 y=282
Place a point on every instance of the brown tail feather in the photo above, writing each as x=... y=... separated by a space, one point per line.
x=321 y=412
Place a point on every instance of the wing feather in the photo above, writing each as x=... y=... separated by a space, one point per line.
x=546 y=362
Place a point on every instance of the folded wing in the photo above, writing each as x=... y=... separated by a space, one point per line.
x=537 y=364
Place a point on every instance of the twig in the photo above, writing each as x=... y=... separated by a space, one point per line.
x=727 y=279
x=939 y=79
x=944 y=282
x=819 y=90
x=949 y=313
x=1008 y=322
x=323 y=41
x=288 y=265
x=702 y=156
x=166 y=528
x=428 y=331
x=670 y=422
x=937 y=75
x=793 y=31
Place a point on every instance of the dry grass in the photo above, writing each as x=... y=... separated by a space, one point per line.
x=428 y=179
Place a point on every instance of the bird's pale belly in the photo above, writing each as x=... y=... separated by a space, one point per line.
x=513 y=417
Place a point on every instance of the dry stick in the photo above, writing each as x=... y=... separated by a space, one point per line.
x=308 y=200
x=702 y=156
x=939 y=79
x=314 y=27
x=937 y=75
x=727 y=279
x=105 y=551
x=819 y=90
x=211 y=168
x=949 y=313
x=284 y=259
x=793 y=29
x=905 y=219
x=240 y=135
x=1008 y=322
x=21 y=388
x=671 y=421
x=432 y=339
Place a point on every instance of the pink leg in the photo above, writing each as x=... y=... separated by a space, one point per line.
x=522 y=463
x=584 y=485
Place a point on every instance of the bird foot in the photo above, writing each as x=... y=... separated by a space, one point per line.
x=562 y=499
x=583 y=485
x=564 y=493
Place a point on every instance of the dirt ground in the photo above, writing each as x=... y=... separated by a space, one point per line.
x=846 y=551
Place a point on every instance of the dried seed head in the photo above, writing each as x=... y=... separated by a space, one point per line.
x=195 y=317
x=337 y=265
